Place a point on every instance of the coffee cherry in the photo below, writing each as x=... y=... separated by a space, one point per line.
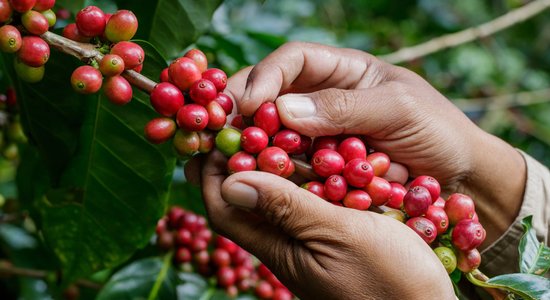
x=182 y=255
x=206 y=141
x=416 y=201
x=22 y=5
x=238 y=122
x=35 y=22
x=459 y=207
x=440 y=202
x=438 y=216
x=221 y=258
x=447 y=258
x=325 y=142
x=198 y=57
x=204 y=234
x=86 y=80
x=167 y=99
x=42 y=5
x=174 y=215
x=91 y=21
x=162 y=225
x=226 y=244
x=190 y=221
x=397 y=194
x=131 y=53
x=380 y=162
x=316 y=188
x=118 y=90
x=379 y=190
x=468 y=261
x=232 y=291
x=429 y=183
x=72 y=292
x=254 y=139
x=165 y=240
x=50 y=16
x=336 y=188
x=192 y=117
x=305 y=144
x=467 y=235
x=111 y=65
x=27 y=73
x=264 y=290
x=267 y=118
x=138 y=68
x=240 y=162
x=217 y=77
x=327 y=162
x=183 y=237
x=357 y=199
x=11 y=97
x=289 y=170
x=63 y=14
x=225 y=102
x=202 y=257
x=216 y=116
x=273 y=160
x=10 y=39
x=226 y=277
x=396 y=215
x=160 y=130
x=424 y=228
x=352 y=148
x=288 y=140
x=121 y=26
x=228 y=141
x=358 y=172
x=186 y=143
x=475 y=217
x=34 y=51
x=184 y=72
x=71 y=32
x=282 y=294
x=164 y=77
x=5 y=11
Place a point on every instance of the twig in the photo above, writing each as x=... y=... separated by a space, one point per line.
x=467 y=35
x=503 y=101
x=7 y=269
x=479 y=279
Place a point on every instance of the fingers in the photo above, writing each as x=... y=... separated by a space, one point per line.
x=192 y=170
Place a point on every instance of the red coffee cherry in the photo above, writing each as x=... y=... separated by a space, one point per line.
x=182 y=255
x=217 y=77
x=111 y=65
x=398 y=192
x=35 y=22
x=199 y=58
x=11 y=97
x=357 y=199
x=132 y=54
x=325 y=142
x=288 y=140
x=138 y=68
x=164 y=77
x=424 y=228
x=206 y=141
x=429 y=183
x=118 y=90
x=34 y=51
x=305 y=144
x=86 y=80
x=226 y=276
x=42 y=5
x=121 y=26
x=160 y=130
x=468 y=234
x=273 y=160
x=267 y=118
x=192 y=117
x=438 y=216
x=186 y=143
x=254 y=139
x=22 y=5
x=282 y=294
x=358 y=172
x=380 y=162
x=71 y=32
x=91 y=21
x=174 y=215
x=216 y=116
x=289 y=170
x=184 y=72
x=203 y=92
x=352 y=148
x=167 y=99
x=240 y=162
x=416 y=201
x=5 y=11
x=459 y=207
x=327 y=162
x=63 y=14
x=440 y=202
x=225 y=102
x=379 y=190
x=10 y=39
x=264 y=290
x=336 y=188
x=226 y=244
x=467 y=261
x=221 y=258
x=316 y=188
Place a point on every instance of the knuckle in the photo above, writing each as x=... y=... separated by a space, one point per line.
x=278 y=208
x=339 y=105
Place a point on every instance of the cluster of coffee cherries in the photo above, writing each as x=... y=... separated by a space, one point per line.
x=111 y=34
x=195 y=248
x=191 y=101
x=11 y=131
x=23 y=23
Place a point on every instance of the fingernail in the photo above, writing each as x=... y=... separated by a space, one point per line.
x=297 y=106
x=242 y=195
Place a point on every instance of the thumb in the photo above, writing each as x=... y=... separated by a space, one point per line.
x=280 y=202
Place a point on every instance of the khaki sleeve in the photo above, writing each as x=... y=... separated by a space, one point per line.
x=502 y=257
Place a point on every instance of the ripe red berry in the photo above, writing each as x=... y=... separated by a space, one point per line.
x=468 y=234
x=358 y=172
x=202 y=257
x=325 y=142
x=190 y=221
x=162 y=225
x=226 y=244
x=167 y=99
x=198 y=57
x=203 y=92
x=221 y=258
x=273 y=160
x=91 y=21
x=5 y=11
x=183 y=237
x=182 y=255
x=316 y=188
x=10 y=39
x=71 y=32
x=204 y=234
x=438 y=216
x=398 y=192
x=160 y=130
x=121 y=26
x=380 y=162
x=467 y=261
x=206 y=141
x=429 y=183
x=282 y=294
x=289 y=170
x=63 y=14
x=352 y=148
x=118 y=90
x=164 y=77
x=305 y=144
x=22 y=5
x=440 y=202
x=459 y=207
x=238 y=122
x=138 y=68
x=174 y=215
x=416 y=201
x=217 y=77
x=132 y=54
x=35 y=22
x=86 y=80
x=42 y=5
x=192 y=117
x=240 y=162
x=424 y=228
x=226 y=277
x=225 y=102
x=288 y=140
x=186 y=143
x=254 y=139
x=357 y=199
x=379 y=190
x=327 y=162
x=267 y=118
x=336 y=188
x=11 y=97
x=184 y=72
x=264 y=290
x=216 y=116
x=111 y=65
x=34 y=51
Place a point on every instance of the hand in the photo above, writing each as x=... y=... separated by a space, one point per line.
x=318 y=250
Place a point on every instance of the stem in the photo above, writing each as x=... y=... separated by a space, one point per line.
x=8 y=269
x=479 y=279
x=160 y=278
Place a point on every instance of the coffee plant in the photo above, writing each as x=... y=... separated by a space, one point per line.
x=102 y=104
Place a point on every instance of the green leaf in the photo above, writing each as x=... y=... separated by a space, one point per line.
x=527 y=286
x=194 y=286
x=75 y=5
x=136 y=280
x=534 y=256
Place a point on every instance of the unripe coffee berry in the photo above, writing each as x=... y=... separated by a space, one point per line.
x=217 y=77
x=327 y=162
x=86 y=80
x=91 y=21
x=398 y=192
x=35 y=22
x=10 y=39
x=273 y=160
x=267 y=118
x=118 y=90
x=429 y=183
x=131 y=53
x=71 y=32
x=111 y=65
x=358 y=172
x=468 y=261
x=380 y=162
x=225 y=102
x=352 y=148
x=447 y=258
x=198 y=57
x=167 y=99
x=27 y=73
x=50 y=16
x=379 y=190
x=254 y=139
x=396 y=215
x=357 y=199
x=438 y=216
x=183 y=73
x=228 y=141
x=186 y=143
x=468 y=234
x=42 y=5
x=160 y=130
x=416 y=201
x=216 y=116
x=240 y=162
x=34 y=51
x=288 y=140
x=192 y=117
x=424 y=228
x=5 y=11
x=459 y=207
x=121 y=26
x=22 y=5
x=316 y=188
